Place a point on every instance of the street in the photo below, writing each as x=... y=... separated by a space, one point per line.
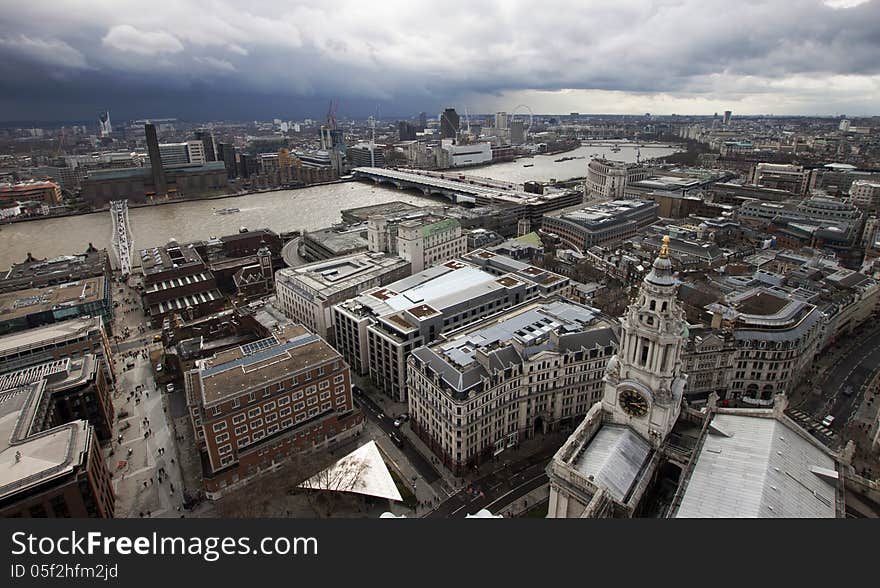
x=854 y=367
x=500 y=489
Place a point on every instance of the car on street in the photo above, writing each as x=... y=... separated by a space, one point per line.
x=403 y=417
x=397 y=422
x=170 y=387
x=826 y=422
x=848 y=391
x=157 y=338
x=158 y=367
x=397 y=440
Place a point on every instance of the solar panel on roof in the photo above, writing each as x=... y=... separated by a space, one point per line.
x=260 y=345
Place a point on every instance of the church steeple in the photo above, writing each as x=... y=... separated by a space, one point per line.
x=643 y=382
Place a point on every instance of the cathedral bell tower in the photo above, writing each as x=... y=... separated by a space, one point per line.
x=643 y=382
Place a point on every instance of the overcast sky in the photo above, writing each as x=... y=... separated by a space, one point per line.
x=67 y=59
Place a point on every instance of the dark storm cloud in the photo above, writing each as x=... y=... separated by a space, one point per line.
x=270 y=57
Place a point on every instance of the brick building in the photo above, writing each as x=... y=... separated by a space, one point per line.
x=255 y=406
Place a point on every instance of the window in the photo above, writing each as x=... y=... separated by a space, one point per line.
x=215 y=410
x=325 y=406
x=258 y=435
x=243 y=441
x=286 y=423
x=284 y=400
x=224 y=449
x=313 y=411
x=272 y=429
x=298 y=394
x=340 y=389
x=284 y=412
x=254 y=412
x=222 y=438
x=300 y=417
x=269 y=406
x=241 y=430
x=299 y=406
x=221 y=426
x=324 y=385
x=311 y=389
x=312 y=401
x=325 y=395
x=271 y=418
x=235 y=403
x=238 y=419
x=224 y=461
x=339 y=379
x=256 y=423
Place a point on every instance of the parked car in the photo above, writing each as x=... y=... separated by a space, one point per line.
x=403 y=417
x=158 y=367
x=848 y=391
x=397 y=422
x=397 y=440
x=826 y=422
x=170 y=388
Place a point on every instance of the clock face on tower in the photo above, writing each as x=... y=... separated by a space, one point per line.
x=633 y=403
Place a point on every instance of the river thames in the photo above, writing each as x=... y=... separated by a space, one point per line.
x=283 y=210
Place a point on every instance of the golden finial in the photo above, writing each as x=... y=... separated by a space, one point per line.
x=664 y=249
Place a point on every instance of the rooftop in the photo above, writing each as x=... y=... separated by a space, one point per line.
x=757 y=466
x=613 y=459
x=35 y=300
x=252 y=366
x=168 y=257
x=513 y=337
x=328 y=278
x=41 y=336
x=29 y=458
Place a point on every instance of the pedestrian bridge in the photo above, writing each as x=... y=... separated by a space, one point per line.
x=454 y=187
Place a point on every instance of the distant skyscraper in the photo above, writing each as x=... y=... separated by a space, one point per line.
x=210 y=148
x=517 y=132
x=844 y=125
x=159 y=184
x=406 y=131
x=226 y=154
x=423 y=121
x=500 y=120
x=727 y=114
x=449 y=124
x=104 y=126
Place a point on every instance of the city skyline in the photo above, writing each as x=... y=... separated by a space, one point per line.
x=803 y=58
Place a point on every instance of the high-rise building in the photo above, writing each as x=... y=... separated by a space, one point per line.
x=517 y=132
x=727 y=114
x=844 y=125
x=449 y=124
x=104 y=127
x=159 y=184
x=406 y=131
x=423 y=121
x=209 y=147
x=500 y=120
x=227 y=154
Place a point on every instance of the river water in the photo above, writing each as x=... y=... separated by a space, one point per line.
x=283 y=210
